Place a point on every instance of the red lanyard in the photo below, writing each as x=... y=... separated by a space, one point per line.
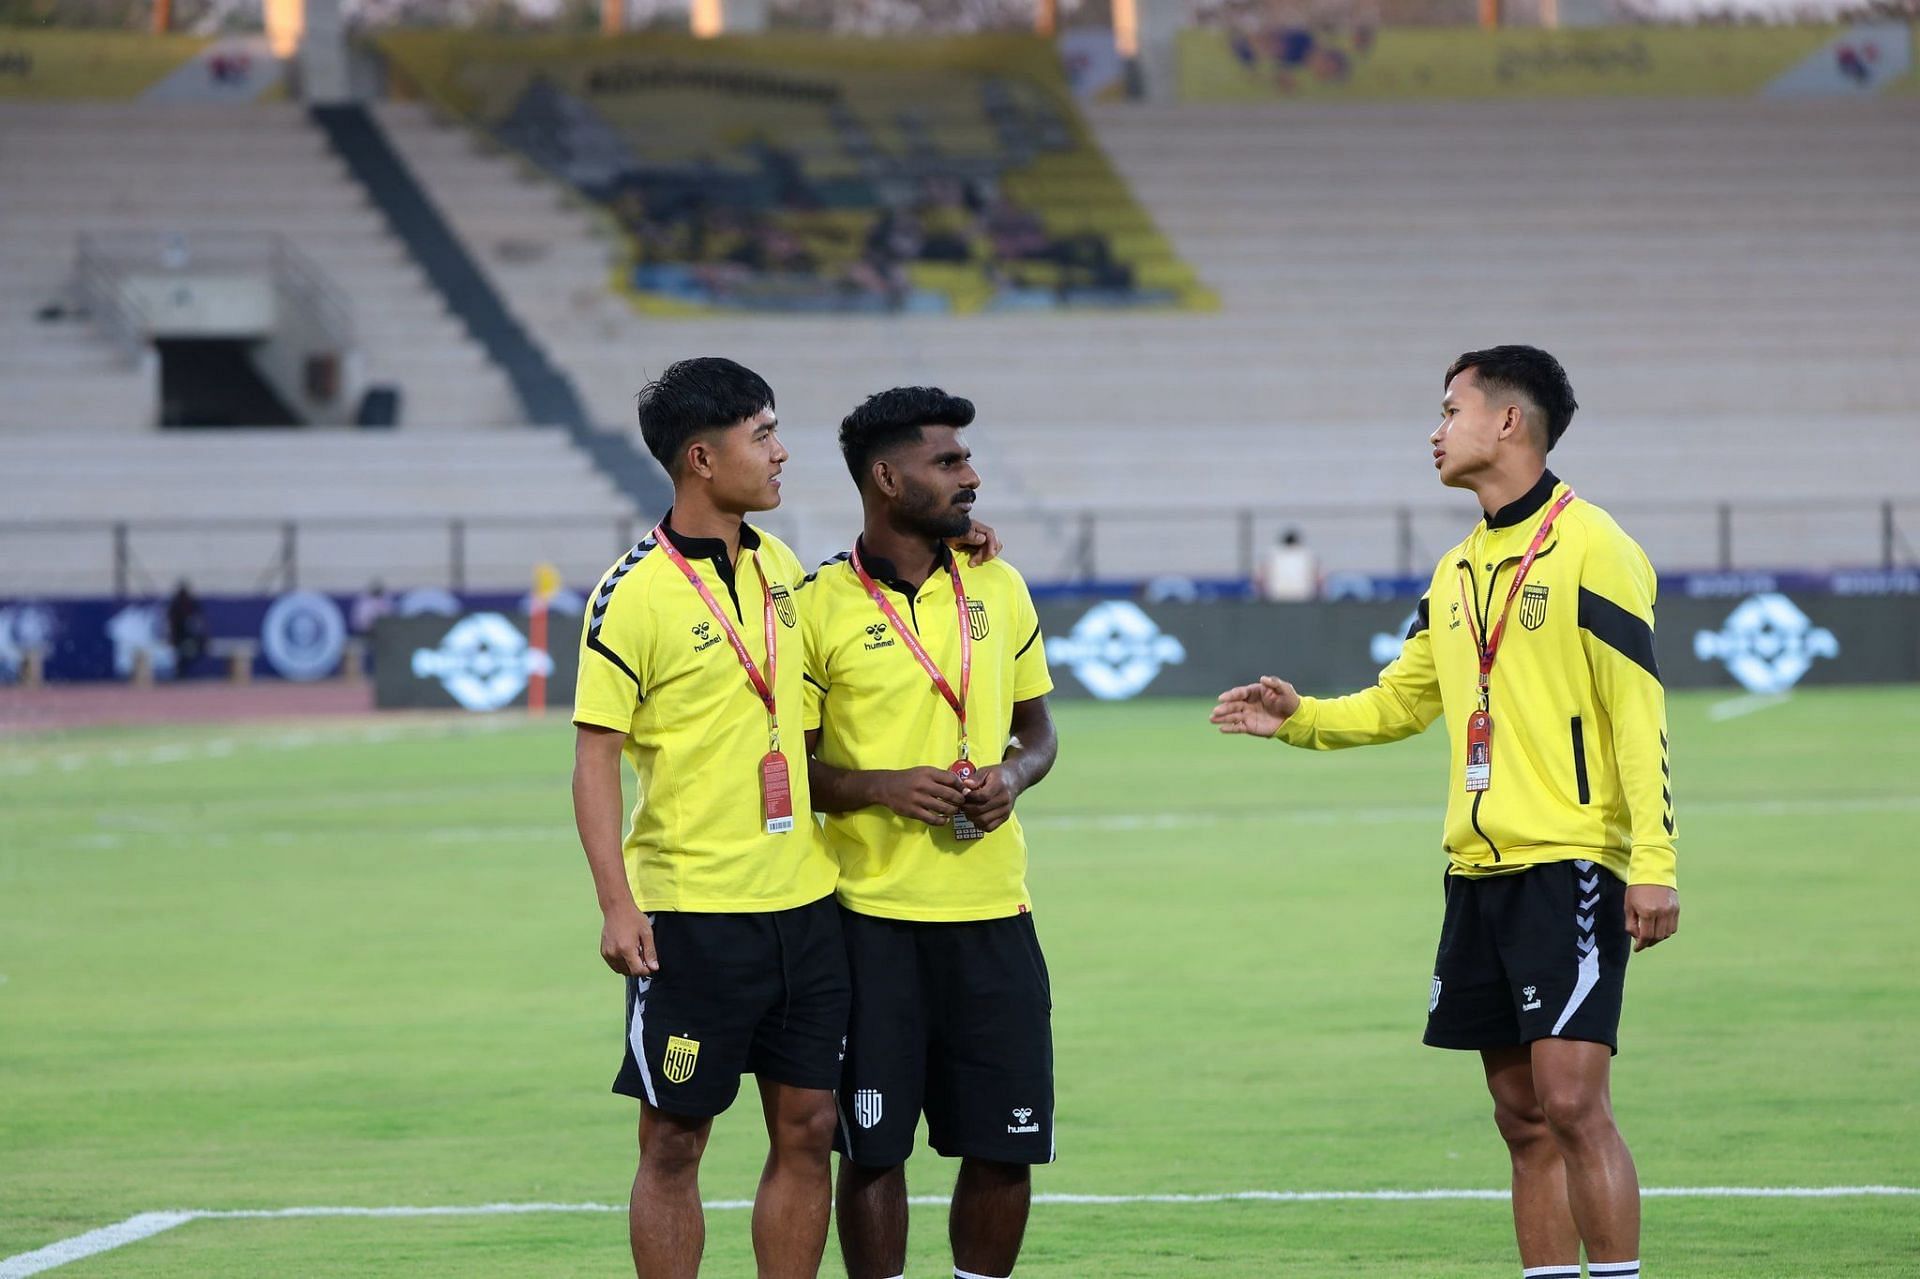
x=1490 y=647
x=762 y=684
x=956 y=700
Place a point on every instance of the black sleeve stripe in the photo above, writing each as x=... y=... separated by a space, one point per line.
x=1618 y=630
x=593 y=642
x=816 y=683
x=1029 y=644
x=1419 y=621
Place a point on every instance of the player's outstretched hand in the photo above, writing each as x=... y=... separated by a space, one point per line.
x=626 y=942
x=1653 y=914
x=989 y=799
x=980 y=543
x=1257 y=710
x=930 y=795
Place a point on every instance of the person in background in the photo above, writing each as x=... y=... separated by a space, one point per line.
x=186 y=629
x=1290 y=571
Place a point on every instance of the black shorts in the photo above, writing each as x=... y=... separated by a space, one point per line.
x=1539 y=954
x=763 y=994
x=955 y=1020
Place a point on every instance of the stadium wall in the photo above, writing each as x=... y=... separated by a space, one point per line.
x=1116 y=650
x=1752 y=631
x=90 y=64
x=1358 y=63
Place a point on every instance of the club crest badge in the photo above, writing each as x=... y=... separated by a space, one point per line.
x=682 y=1055
x=868 y=1107
x=1533 y=607
x=783 y=604
x=977 y=619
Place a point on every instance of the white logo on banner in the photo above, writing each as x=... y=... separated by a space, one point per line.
x=483 y=662
x=1384 y=647
x=1767 y=643
x=1115 y=650
x=24 y=628
x=303 y=636
x=137 y=629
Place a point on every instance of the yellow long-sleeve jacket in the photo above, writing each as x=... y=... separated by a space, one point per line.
x=1579 y=742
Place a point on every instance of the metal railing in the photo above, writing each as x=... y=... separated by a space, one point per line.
x=1065 y=546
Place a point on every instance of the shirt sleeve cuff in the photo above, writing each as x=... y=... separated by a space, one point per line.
x=600 y=718
x=1652 y=864
x=1298 y=728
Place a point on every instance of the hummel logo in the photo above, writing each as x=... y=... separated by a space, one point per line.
x=1531 y=994
x=703 y=637
x=1023 y=1120
x=877 y=637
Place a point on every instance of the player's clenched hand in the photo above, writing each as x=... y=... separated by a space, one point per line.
x=1653 y=914
x=980 y=543
x=626 y=942
x=1258 y=710
x=989 y=799
x=930 y=795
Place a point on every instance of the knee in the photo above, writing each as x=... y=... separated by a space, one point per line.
x=672 y=1152
x=1522 y=1126
x=808 y=1129
x=1576 y=1115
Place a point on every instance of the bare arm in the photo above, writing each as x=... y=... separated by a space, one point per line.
x=1032 y=747
x=626 y=938
x=930 y=795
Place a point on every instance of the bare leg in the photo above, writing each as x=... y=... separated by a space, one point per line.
x=664 y=1220
x=1571 y=1078
x=1542 y=1221
x=989 y=1216
x=873 y=1220
x=796 y=1189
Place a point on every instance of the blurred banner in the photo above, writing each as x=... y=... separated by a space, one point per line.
x=1765 y=643
x=480 y=662
x=432 y=648
x=1256 y=62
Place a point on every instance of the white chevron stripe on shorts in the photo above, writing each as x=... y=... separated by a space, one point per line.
x=1588 y=881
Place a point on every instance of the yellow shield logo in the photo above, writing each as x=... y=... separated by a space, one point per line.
x=977 y=619
x=1533 y=607
x=681 y=1056
x=782 y=603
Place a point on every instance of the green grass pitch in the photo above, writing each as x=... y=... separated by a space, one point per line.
x=357 y=965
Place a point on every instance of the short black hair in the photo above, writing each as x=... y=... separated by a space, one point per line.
x=895 y=417
x=706 y=393
x=1528 y=371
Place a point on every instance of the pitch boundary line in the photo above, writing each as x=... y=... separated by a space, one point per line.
x=146 y=1225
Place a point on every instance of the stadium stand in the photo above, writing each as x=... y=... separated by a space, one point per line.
x=143 y=169
x=1667 y=252
x=801 y=174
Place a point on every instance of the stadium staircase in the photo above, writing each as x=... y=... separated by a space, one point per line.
x=546 y=394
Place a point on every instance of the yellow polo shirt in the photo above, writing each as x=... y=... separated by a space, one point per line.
x=656 y=665
x=876 y=708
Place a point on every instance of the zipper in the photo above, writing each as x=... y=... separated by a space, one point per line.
x=1486 y=619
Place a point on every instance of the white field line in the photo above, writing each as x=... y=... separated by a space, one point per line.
x=1735 y=707
x=147 y=1224
x=69 y=761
